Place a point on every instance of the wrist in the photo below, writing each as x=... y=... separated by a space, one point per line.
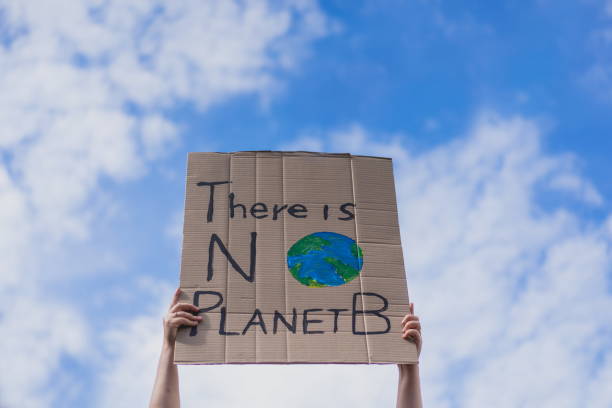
x=408 y=370
x=169 y=338
x=168 y=346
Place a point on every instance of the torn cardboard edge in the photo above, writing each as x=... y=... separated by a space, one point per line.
x=295 y=153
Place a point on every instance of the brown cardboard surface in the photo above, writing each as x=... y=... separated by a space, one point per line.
x=262 y=314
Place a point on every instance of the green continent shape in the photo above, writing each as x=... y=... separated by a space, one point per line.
x=347 y=273
x=304 y=280
x=356 y=251
x=307 y=244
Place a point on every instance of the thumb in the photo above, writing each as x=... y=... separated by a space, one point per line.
x=176 y=297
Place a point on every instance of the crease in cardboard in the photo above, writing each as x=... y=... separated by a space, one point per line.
x=284 y=243
x=254 y=172
x=367 y=343
x=227 y=273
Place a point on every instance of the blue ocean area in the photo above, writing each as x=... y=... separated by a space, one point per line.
x=325 y=259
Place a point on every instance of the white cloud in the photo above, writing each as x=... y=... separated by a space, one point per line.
x=506 y=288
x=515 y=286
x=135 y=345
x=598 y=77
x=34 y=335
x=608 y=8
x=509 y=291
x=574 y=184
x=67 y=80
x=84 y=88
x=158 y=135
x=351 y=138
x=513 y=295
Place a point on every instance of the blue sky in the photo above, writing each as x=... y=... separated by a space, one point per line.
x=397 y=65
x=497 y=116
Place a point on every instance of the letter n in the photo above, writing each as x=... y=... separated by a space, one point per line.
x=214 y=238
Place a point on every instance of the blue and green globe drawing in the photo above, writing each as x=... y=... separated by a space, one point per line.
x=325 y=259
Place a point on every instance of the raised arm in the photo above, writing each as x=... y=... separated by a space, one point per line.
x=409 y=386
x=166 y=388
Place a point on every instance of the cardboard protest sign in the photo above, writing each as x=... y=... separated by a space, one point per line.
x=292 y=257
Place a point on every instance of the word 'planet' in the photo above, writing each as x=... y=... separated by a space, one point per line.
x=324 y=259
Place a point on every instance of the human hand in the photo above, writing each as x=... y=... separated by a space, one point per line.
x=179 y=314
x=409 y=386
x=411 y=329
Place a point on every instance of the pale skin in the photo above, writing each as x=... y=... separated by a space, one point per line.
x=166 y=388
x=409 y=385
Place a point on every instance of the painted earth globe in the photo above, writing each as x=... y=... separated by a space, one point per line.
x=324 y=259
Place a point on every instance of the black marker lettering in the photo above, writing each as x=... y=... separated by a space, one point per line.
x=306 y=322
x=325 y=212
x=278 y=316
x=336 y=314
x=211 y=205
x=196 y=303
x=259 y=322
x=349 y=214
x=295 y=209
x=232 y=206
x=375 y=312
x=222 y=331
x=255 y=210
x=277 y=210
x=211 y=252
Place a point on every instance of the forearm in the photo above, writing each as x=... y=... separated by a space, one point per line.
x=166 y=389
x=409 y=387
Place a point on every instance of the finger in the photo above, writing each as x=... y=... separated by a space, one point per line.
x=411 y=308
x=413 y=324
x=408 y=318
x=182 y=321
x=176 y=297
x=186 y=307
x=186 y=315
x=413 y=335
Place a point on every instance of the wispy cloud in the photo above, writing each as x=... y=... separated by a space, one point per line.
x=509 y=287
x=597 y=78
x=513 y=294
x=85 y=86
